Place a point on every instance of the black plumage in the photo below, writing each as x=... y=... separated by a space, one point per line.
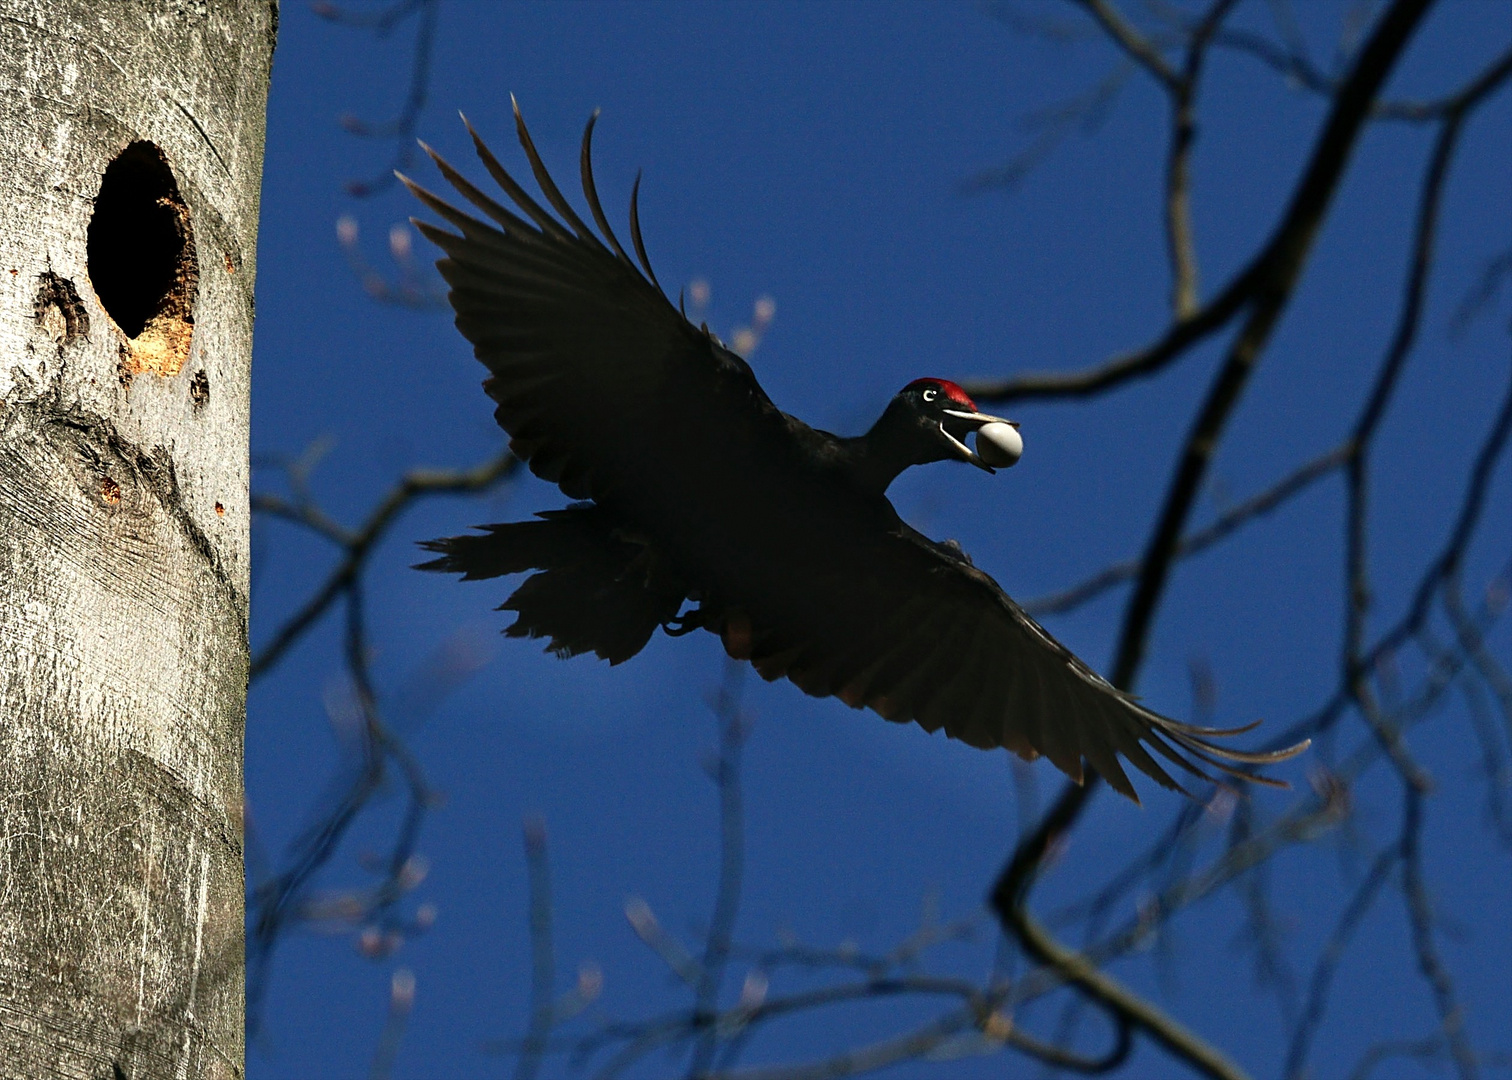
x=696 y=488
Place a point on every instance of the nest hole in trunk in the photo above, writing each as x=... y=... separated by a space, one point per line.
x=142 y=261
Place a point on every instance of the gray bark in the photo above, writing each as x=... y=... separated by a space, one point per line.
x=124 y=529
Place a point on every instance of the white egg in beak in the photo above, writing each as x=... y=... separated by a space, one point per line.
x=999 y=445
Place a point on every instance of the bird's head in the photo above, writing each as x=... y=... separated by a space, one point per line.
x=936 y=416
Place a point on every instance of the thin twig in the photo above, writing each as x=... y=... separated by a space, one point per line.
x=1472 y=641
x=1183 y=249
x=1227 y=523
x=1270 y=275
x=726 y=769
x=1421 y=920
x=1451 y=557
x=1357 y=467
x=1330 y=958
x=359 y=543
x=1299 y=68
x=1424 y=1049
x=278 y=900
x=542 y=952
x=401 y=129
x=1139 y=48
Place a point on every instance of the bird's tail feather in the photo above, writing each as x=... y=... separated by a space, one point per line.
x=595 y=590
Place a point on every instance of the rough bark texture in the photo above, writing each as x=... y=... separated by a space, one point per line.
x=125 y=347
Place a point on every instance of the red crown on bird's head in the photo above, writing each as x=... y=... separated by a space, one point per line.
x=948 y=388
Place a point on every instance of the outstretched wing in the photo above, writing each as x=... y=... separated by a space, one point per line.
x=910 y=629
x=586 y=354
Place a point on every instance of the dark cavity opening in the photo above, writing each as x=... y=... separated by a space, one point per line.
x=141 y=251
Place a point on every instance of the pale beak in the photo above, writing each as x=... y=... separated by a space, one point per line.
x=964 y=452
x=977 y=419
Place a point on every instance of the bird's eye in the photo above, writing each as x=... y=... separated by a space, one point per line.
x=930 y=395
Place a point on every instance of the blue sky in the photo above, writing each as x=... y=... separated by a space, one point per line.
x=816 y=153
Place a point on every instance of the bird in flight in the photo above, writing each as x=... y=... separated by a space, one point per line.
x=692 y=488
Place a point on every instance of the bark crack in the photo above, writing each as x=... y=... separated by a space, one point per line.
x=100 y=443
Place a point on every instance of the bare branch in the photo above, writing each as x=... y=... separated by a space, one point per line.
x=402 y=128
x=1496 y=270
x=726 y=770
x=1330 y=958
x=278 y=900
x=1306 y=821
x=906 y=953
x=1292 y=61
x=668 y=949
x=413 y=288
x=542 y=952
x=359 y=543
x=303 y=513
x=1277 y=270
x=1183 y=249
x=1498 y=774
x=1182 y=335
x=1283 y=261
x=1139 y=48
x=926 y=1040
x=1449 y=559
x=1420 y=918
x=1421 y=261
x=1050 y=127
x=1425 y=1049
x=1227 y=523
x=1474 y=645
x=1268 y=279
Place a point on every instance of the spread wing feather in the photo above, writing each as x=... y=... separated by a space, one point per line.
x=931 y=639
x=585 y=352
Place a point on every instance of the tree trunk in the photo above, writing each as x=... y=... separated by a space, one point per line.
x=131 y=145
